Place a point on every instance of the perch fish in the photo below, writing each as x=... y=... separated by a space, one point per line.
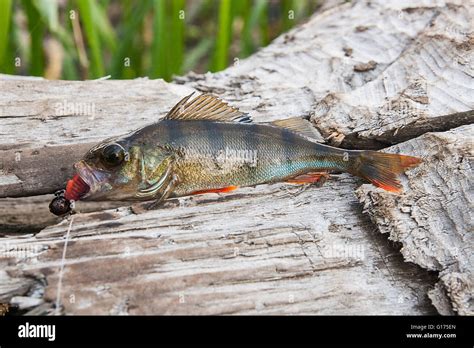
x=204 y=145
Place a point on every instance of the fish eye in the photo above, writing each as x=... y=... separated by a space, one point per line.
x=113 y=155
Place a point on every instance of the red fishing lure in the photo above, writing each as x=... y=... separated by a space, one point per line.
x=75 y=189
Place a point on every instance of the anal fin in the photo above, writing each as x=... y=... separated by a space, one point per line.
x=310 y=178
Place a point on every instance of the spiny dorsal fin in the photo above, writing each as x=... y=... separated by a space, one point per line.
x=300 y=126
x=205 y=107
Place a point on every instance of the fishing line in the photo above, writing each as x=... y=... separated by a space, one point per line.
x=61 y=270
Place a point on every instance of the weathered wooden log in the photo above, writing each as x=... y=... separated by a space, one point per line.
x=423 y=71
x=61 y=120
x=367 y=74
x=433 y=218
x=31 y=214
x=309 y=251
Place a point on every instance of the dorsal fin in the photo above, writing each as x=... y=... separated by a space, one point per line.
x=300 y=126
x=205 y=107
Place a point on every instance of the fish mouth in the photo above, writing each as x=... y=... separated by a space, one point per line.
x=94 y=178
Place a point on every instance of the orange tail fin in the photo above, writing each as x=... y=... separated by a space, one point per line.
x=382 y=169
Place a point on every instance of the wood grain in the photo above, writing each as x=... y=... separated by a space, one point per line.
x=367 y=75
x=433 y=218
x=310 y=251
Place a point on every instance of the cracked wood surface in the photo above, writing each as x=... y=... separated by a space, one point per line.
x=418 y=60
x=310 y=251
x=367 y=74
x=424 y=71
x=433 y=219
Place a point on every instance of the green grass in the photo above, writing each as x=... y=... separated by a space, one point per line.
x=177 y=30
x=224 y=31
x=5 y=14
x=88 y=15
x=254 y=15
x=128 y=39
x=37 y=30
x=160 y=41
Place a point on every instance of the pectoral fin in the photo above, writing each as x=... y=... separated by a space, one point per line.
x=166 y=192
x=154 y=188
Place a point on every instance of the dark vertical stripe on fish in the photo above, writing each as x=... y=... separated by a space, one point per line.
x=251 y=141
x=216 y=141
x=289 y=139
x=175 y=134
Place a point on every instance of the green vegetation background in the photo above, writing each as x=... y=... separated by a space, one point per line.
x=87 y=39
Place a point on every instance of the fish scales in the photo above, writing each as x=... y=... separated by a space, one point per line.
x=217 y=154
x=205 y=145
